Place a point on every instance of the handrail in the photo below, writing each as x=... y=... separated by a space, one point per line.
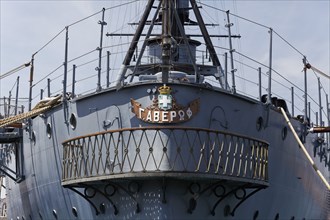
x=166 y=127
x=153 y=151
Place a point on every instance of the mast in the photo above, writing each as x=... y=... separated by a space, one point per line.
x=186 y=42
x=166 y=40
x=16 y=100
x=138 y=61
x=99 y=68
x=205 y=34
x=231 y=54
x=31 y=81
x=133 y=44
x=173 y=47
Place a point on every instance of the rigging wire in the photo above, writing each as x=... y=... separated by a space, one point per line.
x=297 y=87
x=59 y=33
x=47 y=75
x=14 y=70
x=13 y=86
x=249 y=58
x=51 y=40
x=218 y=9
x=113 y=7
x=217 y=47
x=315 y=102
x=256 y=23
x=315 y=74
x=83 y=55
x=294 y=48
x=282 y=38
x=238 y=42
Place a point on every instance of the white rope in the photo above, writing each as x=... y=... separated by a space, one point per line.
x=304 y=149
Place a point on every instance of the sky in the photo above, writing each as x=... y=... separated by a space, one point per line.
x=26 y=26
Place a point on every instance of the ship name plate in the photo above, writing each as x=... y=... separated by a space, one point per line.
x=164 y=109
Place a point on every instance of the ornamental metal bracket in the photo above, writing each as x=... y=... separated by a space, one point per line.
x=241 y=198
x=104 y=194
x=245 y=197
x=195 y=189
x=133 y=187
x=86 y=198
x=223 y=196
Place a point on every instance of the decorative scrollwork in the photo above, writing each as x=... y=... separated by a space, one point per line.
x=86 y=198
x=221 y=198
x=195 y=189
x=245 y=197
x=102 y=193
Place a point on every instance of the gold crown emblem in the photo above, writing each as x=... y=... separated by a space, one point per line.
x=164 y=90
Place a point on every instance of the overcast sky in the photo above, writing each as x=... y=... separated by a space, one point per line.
x=27 y=25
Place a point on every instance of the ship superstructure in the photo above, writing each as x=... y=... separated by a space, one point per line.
x=171 y=138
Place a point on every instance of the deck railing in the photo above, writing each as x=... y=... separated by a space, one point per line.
x=174 y=151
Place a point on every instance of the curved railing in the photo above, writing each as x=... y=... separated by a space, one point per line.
x=164 y=151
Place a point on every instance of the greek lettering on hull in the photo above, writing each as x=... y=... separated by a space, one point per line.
x=164 y=109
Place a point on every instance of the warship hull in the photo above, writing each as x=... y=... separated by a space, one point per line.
x=291 y=189
x=172 y=136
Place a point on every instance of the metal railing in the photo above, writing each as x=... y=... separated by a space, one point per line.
x=164 y=150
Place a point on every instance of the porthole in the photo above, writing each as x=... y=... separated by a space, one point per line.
x=73 y=121
x=33 y=137
x=284 y=132
x=259 y=123
x=74 y=211
x=49 y=130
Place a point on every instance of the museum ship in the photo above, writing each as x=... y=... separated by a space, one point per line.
x=171 y=137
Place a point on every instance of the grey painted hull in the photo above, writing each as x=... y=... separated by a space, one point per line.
x=294 y=188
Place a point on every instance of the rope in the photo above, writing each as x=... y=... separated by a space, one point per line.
x=10 y=120
x=38 y=109
x=304 y=149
